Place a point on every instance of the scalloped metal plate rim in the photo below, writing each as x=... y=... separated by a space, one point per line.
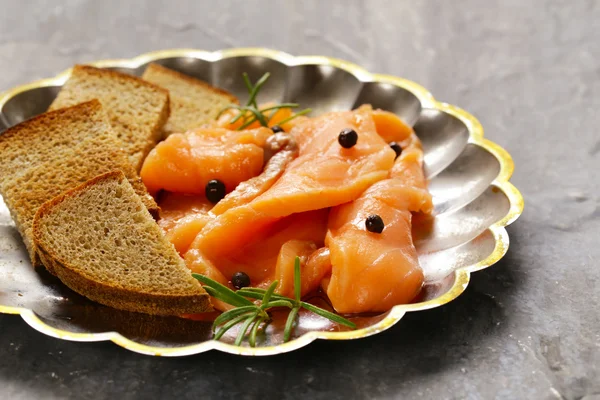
x=461 y=276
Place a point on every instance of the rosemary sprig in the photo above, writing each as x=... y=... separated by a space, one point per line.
x=299 y=113
x=251 y=112
x=252 y=315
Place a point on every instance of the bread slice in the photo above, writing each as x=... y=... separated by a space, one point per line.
x=137 y=110
x=54 y=152
x=102 y=243
x=193 y=102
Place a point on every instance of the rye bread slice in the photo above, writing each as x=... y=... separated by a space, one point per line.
x=54 y=152
x=193 y=102
x=136 y=109
x=101 y=242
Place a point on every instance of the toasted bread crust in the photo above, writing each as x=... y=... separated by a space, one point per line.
x=165 y=111
x=193 y=102
x=105 y=293
x=86 y=108
x=137 y=145
x=159 y=69
x=102 y=72
x=122 y=299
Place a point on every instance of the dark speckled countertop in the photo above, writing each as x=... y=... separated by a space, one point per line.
x=528 y=328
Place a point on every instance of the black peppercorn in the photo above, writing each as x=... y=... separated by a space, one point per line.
x=374 y=223
x=215 y=190
x=276 y=129
x=240 y=280
x=396 y=147
x=348 y=138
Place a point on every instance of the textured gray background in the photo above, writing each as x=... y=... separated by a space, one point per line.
x=530 y=71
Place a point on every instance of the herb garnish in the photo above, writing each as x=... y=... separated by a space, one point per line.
x=251 y=113
x=252 y=314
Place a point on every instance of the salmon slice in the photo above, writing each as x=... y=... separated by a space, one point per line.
x=182 y=217
x=390 y=127
x=272 y=256
x=199 y=264
x=175 y=206
x=324 y=175
x=315 y=264
x=280 y=150
x=408 y=167
x=372 y=272
x=185 y=163
x=259 y=255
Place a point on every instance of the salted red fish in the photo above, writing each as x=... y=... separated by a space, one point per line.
x=259 y=256
x=182 y=217
x=186 y=162
x=280 y=149
x=313 y=206
x=324 y=175
x=390 y=127
x=315 y=265
x=372 y=272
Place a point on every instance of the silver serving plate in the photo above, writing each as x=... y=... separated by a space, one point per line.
x=468 y=180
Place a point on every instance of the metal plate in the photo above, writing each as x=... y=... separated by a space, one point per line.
x=468 y=180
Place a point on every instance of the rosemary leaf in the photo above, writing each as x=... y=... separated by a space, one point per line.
x=223 y=292
x=250 y=112
x=254 y=331
x=269 y=292
x=250 y=294
x=278 y=303
x=215 y=293
x=230 y=325
x=247 y=82
x=247 y=124
x=254 y=289
x=235 y=119
x=258 y=116
x=290 y=323
x=244 y=328
x=225 y=297
x=252 y=315
x=279 y=106
x=329 y=315
x=299 y=113
x=257 y=86
x=234 y=312
x=258 y=293
x=232 y=106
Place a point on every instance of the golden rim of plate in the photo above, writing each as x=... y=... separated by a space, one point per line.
x=461 y=275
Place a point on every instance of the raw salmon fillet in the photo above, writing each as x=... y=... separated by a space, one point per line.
x=324 y=175
x=259 y=256
x=186 y=162
x=298 y=194
x=182 y=217
x=280 y=150
x=315 y=265
x=372 y=272
x=390 y=127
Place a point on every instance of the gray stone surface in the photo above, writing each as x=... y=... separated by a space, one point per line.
x=527 y=328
